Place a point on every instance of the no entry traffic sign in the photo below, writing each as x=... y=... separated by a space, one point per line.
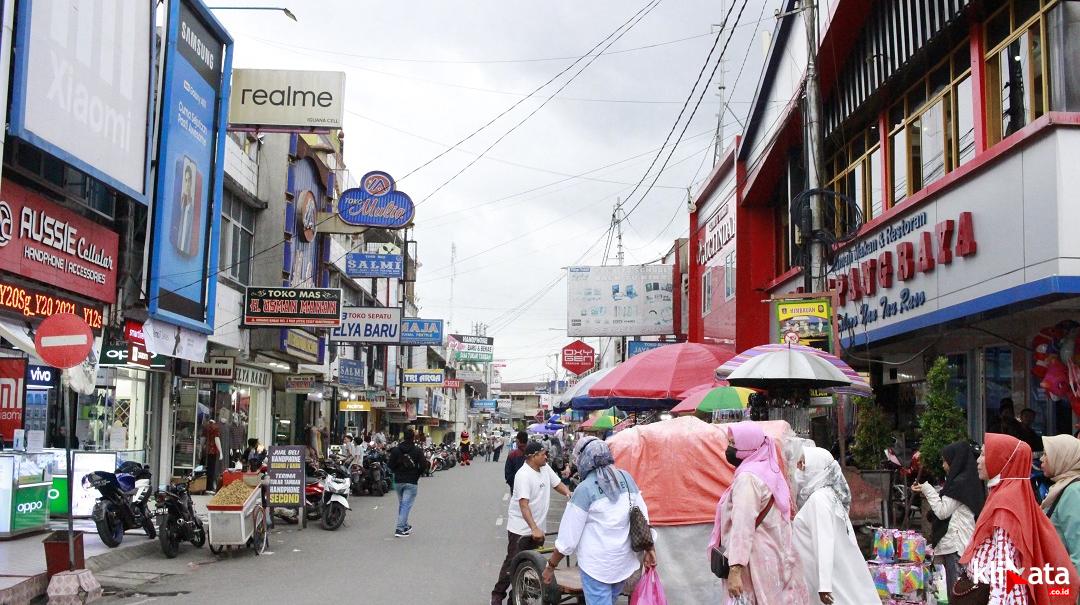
x=63 y=340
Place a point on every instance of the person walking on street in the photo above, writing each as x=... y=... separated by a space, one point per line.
x=1013 y=533
x=834 y=567
x=526 y=515
x=408 y=463
x=1061 y=463
x=497 y=445
x=596 y=526
x=753 y=524
x=464 y=448
x=958 y=504
x=515 y=459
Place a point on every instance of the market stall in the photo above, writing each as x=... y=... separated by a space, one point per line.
x=25 y=480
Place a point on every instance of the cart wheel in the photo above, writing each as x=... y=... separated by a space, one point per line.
x=259 y=537
x=217 y=550
x=527 y=582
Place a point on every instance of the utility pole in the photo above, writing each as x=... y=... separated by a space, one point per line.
x=619 y=254
x=453 y=276
x=814 y=278
x=718 y=147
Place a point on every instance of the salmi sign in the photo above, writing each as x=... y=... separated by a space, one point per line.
x=276 y=99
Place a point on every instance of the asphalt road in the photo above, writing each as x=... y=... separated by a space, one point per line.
x=452 y=558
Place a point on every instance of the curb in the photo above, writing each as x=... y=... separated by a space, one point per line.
x=38 y=585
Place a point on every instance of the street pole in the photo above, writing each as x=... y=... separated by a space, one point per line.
x=70 y=456
x=814 y=277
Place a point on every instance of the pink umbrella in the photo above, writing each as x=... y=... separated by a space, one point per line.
x=663 y=373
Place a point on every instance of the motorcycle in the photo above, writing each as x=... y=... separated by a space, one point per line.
x=123 y=504
x=376 y=476
x=177 y=520
x=327 y=496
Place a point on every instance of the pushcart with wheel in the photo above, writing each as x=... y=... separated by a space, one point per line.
x=235 y=526
x=527 y=585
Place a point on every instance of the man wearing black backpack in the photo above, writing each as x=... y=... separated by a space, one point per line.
x=408 y=463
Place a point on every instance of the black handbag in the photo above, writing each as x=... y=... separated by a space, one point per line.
x=640 y=532
x=718 y=561
x=967 y=592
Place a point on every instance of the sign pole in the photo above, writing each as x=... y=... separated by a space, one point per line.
x=70 y=456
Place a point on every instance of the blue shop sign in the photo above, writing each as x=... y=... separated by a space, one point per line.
x=415 y=331
x=485 y=404
x=640 y=346
x=42 y=377
x=376 y=203
x=366 y=264
x=351 y=372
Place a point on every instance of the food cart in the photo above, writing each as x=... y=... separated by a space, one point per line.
x=237 y=518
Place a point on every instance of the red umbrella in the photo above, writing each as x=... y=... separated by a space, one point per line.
x=663 y=373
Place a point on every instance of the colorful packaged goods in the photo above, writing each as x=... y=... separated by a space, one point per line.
x=911 y=546
x=884 y=545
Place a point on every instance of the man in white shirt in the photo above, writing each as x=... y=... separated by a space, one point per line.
x=527 y=513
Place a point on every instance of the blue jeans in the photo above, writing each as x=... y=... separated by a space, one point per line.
x=406 y=493
x=599 y=593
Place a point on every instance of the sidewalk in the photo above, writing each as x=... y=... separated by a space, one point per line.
x=22 y=560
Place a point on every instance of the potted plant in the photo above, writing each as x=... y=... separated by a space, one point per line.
x=872 y=437
x=942 y=421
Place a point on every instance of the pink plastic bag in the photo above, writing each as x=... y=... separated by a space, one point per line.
x=649 y=591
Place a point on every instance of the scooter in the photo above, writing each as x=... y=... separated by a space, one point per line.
x=123 y=504
x=177 y=520
x=376 y=478
x=327 y=496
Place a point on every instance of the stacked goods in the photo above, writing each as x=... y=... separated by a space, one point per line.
x=900 y=566
x=233 y=494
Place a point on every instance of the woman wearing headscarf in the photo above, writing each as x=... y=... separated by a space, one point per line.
x=834 y=566
x=957 y=505
x=1013 y=535
x=1061 y=463
x=753 y=524
x=596 y=525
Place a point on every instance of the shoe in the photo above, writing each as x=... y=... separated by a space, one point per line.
x=401 y=534
x=497 y=600
x=408 y=529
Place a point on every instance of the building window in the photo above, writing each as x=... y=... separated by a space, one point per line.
x=237 y=238
x=932 y=128
x=706 y=292
x=787 y=234
x=855 y=171
x=729 y=276
x=73 y=184
x=1017 y=89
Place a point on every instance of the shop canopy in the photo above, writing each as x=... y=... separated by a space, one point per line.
x=655 y=379
x=580 y=390
x=680 y=467
x=759 y=366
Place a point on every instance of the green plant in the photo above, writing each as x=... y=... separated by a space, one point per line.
x=942 y=422
x=872 y=435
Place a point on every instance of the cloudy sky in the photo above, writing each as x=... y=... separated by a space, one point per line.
x=424 y=74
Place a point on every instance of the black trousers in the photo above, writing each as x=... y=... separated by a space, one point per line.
x=514 y=544
x=498 y=451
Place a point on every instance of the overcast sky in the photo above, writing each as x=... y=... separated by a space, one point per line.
x=423 y=74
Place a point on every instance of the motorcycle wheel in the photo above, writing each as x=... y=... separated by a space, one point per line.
x=167 y=535
x=334 y=516
x=110 y=527
x=198 y=535
x=148 y=524
x=377 y=485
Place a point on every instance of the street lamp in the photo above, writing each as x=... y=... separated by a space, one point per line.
x=288 y=13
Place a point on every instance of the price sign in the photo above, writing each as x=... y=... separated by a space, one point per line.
x=35 y=304
x=285 y=472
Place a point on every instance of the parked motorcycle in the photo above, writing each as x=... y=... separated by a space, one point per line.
x=326 y=495
x=177 y=521
x=376 y=474
x=123 y=504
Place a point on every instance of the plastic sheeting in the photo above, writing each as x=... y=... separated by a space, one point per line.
x=680 y=468
x=683 y=562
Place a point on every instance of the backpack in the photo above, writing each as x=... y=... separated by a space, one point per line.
x=405 y=461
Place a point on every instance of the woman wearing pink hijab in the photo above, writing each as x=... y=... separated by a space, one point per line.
x=753 y=525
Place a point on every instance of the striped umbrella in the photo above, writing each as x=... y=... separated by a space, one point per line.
x=858 y=385
x=719 y=398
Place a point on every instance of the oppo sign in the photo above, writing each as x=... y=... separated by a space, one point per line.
x=29 y=507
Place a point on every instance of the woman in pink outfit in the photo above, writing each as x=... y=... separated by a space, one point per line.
x=753 y=525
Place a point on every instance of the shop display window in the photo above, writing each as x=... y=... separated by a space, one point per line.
x=116 y=416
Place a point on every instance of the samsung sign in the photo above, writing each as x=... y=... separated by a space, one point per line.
x=287 y=100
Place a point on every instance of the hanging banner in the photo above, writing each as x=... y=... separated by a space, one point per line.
x=620 y=301
x=351 y=372
x=376 y=203
x=369 y=324
x=286 y=99
x=187 y=207
x=464 y=347
x=366 y=264
x=423 y=378
x=12 y=387
x=290 y=307
x=806 y=321
x=421 y=331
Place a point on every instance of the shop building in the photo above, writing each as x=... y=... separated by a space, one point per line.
x=948 y=129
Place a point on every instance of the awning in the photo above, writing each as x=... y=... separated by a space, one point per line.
x=17 y=335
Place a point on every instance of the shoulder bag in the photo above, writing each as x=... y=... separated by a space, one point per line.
x=718 y=560
x=640 y=532
x=967 y=592
x=1053 y=507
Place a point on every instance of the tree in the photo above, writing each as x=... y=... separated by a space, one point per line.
x=872 y=435
x=942 y=422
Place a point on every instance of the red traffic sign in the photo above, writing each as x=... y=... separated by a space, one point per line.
x=578 y=357
x=63 y=340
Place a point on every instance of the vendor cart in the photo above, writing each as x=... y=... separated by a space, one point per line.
x=239 y=525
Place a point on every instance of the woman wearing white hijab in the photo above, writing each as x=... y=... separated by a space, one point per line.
x=835 y=569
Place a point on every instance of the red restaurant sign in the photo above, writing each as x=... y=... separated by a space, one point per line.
x=50 y=244
x=578 y=357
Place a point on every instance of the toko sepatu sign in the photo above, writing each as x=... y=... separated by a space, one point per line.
x=369 y=324
x=376 y=203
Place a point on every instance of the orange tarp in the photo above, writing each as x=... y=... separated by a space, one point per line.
x=680 y=467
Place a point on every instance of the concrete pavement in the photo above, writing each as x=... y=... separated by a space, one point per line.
x=452 y=558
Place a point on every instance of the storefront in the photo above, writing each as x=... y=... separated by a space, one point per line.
x=252 y=394
x=117 y=417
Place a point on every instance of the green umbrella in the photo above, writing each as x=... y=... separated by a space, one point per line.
x=725 y=398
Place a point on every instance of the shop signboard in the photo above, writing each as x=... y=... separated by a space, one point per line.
x=253 y=377
x=368 y=264
x=12 y=387
x=485 y=404
x=470 y=376
x=453 y=383
x=415 y=331
x=119 y=354
x=505 y=403
x=133 y=332
x=466 y=347
x=81 y=88
x=191 y=167
x=640 y=346
x=220 y=368
x=42 y=377
x=53 y=245
x=369 y=324
x=31 y=508
x=376 y=203
x=32 y=304
x=423 y=378
x=301 y=383
x=351 y=372
x=620 y=301
x=578 y=357
x=285 y=476
x=803 y=321
x=354 y=405
x=286 y=99
x=437 y=400
x=300 y=343
x=291 y=307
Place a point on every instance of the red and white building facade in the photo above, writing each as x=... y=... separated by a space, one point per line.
x=954 y=126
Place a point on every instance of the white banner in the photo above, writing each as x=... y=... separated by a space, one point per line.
x=287 y=99
x=368 y=324
x=620 y=301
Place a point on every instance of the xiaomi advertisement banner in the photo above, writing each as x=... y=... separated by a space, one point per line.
x=287 y=99
x=82 y=85
x=12 y=385
x=189 y=179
